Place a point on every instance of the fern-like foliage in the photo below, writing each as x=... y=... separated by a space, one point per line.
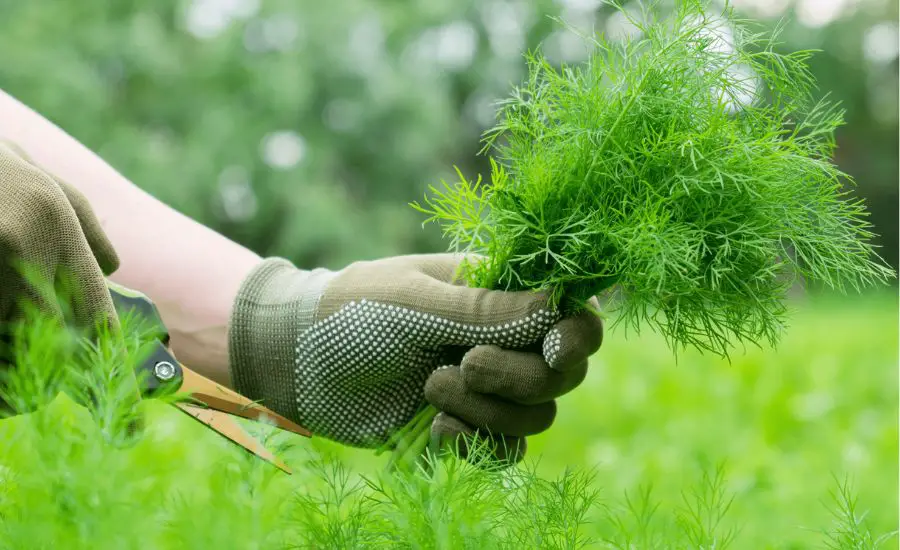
x=684 y=172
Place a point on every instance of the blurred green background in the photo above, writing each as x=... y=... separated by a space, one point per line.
x=303 y=128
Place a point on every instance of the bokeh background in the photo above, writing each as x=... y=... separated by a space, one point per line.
x=303 y=128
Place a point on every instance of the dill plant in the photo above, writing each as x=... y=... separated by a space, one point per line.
x=683 y=173
x=73 y=477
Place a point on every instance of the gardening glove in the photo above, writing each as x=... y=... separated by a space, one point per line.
x=353 y=355
x=48 y=228
x=53 y=256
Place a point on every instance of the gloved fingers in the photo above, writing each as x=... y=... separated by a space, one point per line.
x=99 y=243
x=453 y=434
x=446 y=390
x=404 y=292
x=64 y=270
x=446 y=267
x=83 y=286
x=518 y=376
x=33 y=285
x=28 y=260
x=473 y=316
x=573 y=340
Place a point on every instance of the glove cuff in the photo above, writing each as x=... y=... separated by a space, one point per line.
x=275 y=305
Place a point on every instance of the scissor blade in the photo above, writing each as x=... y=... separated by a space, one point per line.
x=218 y=397
x=225 y=425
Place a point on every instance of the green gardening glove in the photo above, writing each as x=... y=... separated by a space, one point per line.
x=354 y=354
x=48 y=228
x=54 y=256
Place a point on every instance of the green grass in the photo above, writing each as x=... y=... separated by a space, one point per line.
x=794 y=448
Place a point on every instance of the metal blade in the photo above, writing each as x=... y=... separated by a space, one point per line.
x=224 y=424
x=219 y=397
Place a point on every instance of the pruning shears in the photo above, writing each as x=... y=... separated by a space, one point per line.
x=208 y=402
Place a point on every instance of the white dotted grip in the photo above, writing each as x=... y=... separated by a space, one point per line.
x=360 y=373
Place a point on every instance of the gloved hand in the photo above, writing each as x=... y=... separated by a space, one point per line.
x=352 y=355
x=48 y=227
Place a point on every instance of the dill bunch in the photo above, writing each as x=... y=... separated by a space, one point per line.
x=683 y=173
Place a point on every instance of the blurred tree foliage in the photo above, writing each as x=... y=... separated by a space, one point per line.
x=303 y=128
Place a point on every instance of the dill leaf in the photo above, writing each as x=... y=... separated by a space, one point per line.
x=683 y=173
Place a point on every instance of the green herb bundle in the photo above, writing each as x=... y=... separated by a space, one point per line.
x=685 y=173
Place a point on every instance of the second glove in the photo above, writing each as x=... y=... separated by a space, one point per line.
x=353 y=354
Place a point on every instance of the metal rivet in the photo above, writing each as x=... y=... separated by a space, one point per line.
x=164 y=370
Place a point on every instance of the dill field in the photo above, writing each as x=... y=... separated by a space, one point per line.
x=745 y=395
x=794 y=448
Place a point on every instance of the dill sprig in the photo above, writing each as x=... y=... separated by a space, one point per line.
x=684 y=173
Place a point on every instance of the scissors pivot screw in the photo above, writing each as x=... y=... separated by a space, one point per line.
x=164 y=370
